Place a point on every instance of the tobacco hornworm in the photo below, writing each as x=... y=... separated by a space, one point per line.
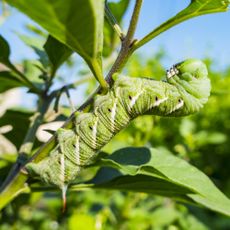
x=184 y=92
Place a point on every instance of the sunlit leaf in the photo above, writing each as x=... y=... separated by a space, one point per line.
x=194 y=9
x=198 y=7
x=158 y=172
x=57 y=52
x=75 y=23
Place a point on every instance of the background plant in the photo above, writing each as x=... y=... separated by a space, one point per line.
x=196 y=137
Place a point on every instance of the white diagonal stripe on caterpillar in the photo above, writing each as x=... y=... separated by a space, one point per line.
x=178 y=106
x=113 y=115
x=134 y=99
x=159 y=101
x=77 y=151
x=94 y=134
x=62 y=168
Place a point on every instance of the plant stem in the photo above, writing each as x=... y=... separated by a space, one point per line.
x=71 y=85
x=133 y=22
x=26 y=146
x=184 y=15
x=113 y=22
x=36 y=121
x=123 y=55
x=160 y=29
x=15 y=179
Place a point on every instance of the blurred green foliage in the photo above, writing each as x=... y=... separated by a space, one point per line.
x=202 y=139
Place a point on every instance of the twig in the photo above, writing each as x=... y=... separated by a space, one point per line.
x=36 y=121
x=133 y=22
x=177 y=19
x=27 y=145
x=113 y=22
x=123 y=55
x=57 y=93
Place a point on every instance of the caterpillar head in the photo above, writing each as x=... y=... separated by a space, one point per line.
x=190 y=77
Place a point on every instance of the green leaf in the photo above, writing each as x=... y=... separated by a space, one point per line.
x=4 y=51
x=36 y=44
x=194 y=9
x=75 y=23
x=4 y=58
x=8 y=81
x=199 y=7
x=57 y=52
x=158 y=172
x=19 y=120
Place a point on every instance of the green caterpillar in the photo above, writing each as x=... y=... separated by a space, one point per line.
x=185 y=91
